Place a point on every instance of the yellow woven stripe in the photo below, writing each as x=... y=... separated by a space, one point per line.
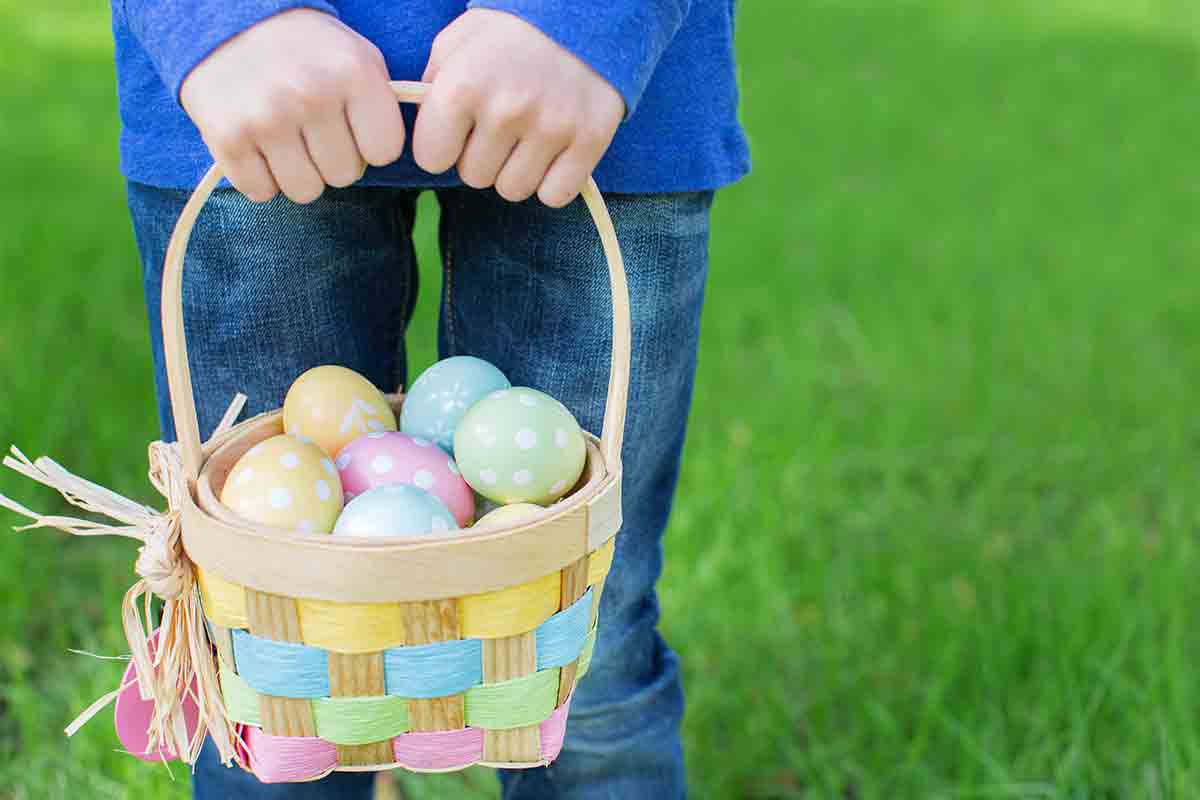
x=601 y=562
x=224 y=602
x=509 y=612
x=350 y=627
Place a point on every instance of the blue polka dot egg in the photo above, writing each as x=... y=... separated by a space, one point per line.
x=520 y=446
x=395 y=509
x=438 y=399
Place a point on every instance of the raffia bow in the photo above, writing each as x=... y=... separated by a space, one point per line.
x=183 y=657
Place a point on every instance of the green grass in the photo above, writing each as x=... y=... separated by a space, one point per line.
x=936 y=534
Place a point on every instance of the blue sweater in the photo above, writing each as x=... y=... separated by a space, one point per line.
x=671 y=60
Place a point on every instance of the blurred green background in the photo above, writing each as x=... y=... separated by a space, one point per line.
x=936 y=534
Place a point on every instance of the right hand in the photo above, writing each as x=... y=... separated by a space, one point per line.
x=295 y=103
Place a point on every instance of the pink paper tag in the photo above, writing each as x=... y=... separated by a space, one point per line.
x=132 y=716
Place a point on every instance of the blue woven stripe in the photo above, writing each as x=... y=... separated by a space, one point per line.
x=560 y=639
x=287 y=669
x=283 y=669
x=433 y=670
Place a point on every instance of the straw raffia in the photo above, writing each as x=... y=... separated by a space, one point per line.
x=183 y=652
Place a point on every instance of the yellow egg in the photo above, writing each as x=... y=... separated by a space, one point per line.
x=285 y=483
x=332 y=405
x=508 y=515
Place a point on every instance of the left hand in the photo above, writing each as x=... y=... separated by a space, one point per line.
x=513 y=110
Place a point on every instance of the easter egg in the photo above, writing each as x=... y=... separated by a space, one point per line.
x=285 y=482
x=332 y=405
x=508 y=515
x=381 y=458
x=520 y=446
x=438 y=399
x=395 y=509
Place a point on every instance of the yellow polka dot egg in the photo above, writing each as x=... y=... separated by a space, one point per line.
x=285 y=482
x=332 y=406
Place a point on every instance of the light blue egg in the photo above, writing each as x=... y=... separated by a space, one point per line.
x=438 y=399
x=395 y=509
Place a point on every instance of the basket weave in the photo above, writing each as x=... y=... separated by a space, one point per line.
x=365 y=654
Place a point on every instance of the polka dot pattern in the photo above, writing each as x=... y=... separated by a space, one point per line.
x=395 y=509
x=520 y=446
x=438 y=399
x=335 y=405
x=397 y=458
x=284 y=482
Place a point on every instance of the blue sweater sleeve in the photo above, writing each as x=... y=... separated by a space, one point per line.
x=179 y=34
x=621 y=39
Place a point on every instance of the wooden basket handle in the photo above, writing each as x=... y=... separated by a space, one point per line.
x=179 y=376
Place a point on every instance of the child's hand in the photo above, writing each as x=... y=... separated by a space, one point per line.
x=294 y=103
x=513 y=109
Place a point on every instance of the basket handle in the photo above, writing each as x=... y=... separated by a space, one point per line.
x=179 y=376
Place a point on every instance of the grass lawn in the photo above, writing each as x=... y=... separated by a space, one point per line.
x=936 y=531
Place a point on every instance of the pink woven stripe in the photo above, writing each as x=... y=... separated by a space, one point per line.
x=554 y=730
x=287 y=759
x=439 y=749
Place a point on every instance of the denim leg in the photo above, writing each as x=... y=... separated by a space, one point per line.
x=526 y=287
x=269 y=291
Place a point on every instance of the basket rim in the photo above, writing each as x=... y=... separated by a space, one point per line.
x=342 y=568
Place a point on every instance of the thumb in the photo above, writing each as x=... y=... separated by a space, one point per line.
x=445 y=44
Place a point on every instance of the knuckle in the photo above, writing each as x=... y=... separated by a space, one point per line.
x=555 y=127
x=509 y=108
x=461 y=94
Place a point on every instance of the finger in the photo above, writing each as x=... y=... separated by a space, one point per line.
x=484 y=154
x=565 y=178
x=250 y=175
x=446 y=42
x=294 y=171
x=526 y=167
x=376 y=123
x=331 y=146
x=445 y=119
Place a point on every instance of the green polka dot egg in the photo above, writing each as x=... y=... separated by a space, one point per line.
x=285 y=482
x=519 y=446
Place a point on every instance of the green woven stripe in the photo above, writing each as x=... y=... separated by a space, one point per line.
x=360 y=720
x=585 y=658
x=240 y=700
x=513 y=704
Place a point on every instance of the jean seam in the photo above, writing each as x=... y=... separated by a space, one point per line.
x=448 y=280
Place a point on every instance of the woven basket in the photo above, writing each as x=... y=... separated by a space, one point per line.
x=340 y=653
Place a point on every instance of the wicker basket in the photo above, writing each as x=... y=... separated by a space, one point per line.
x=337 y=653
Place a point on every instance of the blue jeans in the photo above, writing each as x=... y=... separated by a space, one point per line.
x=274 y=289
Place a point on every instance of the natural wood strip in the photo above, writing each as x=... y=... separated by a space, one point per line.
x=574 y=584
x=359 y=675
x=604 y=515
x=505 y=659
x=597 y=590
x=223 y=640
x=274 y=617
x=424 y=623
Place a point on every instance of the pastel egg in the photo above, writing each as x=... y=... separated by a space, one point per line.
x=285 y=482
x=437 y=400
x=382 y=458
x=508 y=515
x=332 y=405
x=395 y=509
x=520 y=446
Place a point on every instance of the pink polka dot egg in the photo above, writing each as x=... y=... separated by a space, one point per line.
x=285 y=482
x=380 y=459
